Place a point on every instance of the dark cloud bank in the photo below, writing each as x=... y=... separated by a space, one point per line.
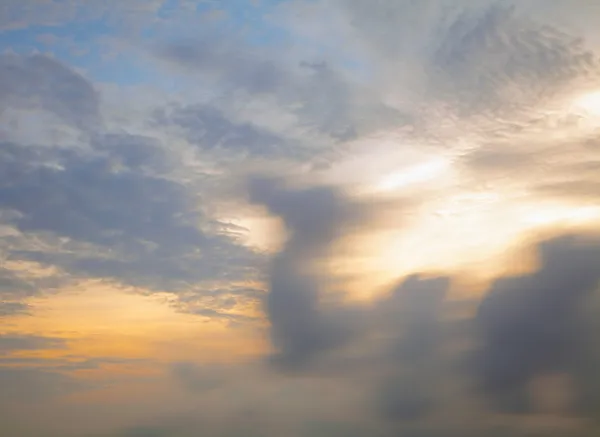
x=525 y=327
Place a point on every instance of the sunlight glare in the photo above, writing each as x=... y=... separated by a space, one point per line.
x=590 y=103
x=581 y=215
x=409 y=176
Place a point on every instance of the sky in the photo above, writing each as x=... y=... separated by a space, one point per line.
x=331 y=218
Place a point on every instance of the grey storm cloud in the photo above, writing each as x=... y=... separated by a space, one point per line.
x=314 y=217
x=412 y=319
x=525 y=327
x=535 y=325
x=41 y=81
x=414 y=308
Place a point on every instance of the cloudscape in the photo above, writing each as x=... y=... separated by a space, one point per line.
x=299 y=217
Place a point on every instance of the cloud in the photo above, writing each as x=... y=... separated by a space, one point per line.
x=301 y=328
x=317 y=94
x=209 y=129
x=13 y=308
x=576 y=181
x=412 y=317
x=39 y=81
x=128 y=200
x=472 y=54
x=224 y=60
x=512 y=81
x=28 y=385
x=112 y=206
x=20 y=281
x=195 y=378
x=10 y=343
x=15 y=289
x=533 y=325
x=87 y=200
x=541 y=60
x=11 y=285
x=138 y=221
x=135 y=152
x=527 y=336
x=408 y=350
x=237 y=306
x=525 y=329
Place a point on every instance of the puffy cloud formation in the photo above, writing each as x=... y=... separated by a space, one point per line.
x=314 y=218
x=525 y=327
x=537 y=325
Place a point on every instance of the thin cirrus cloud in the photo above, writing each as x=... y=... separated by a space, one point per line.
x=466 y=132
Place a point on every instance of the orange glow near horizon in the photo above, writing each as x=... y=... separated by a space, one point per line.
x=99 y=320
